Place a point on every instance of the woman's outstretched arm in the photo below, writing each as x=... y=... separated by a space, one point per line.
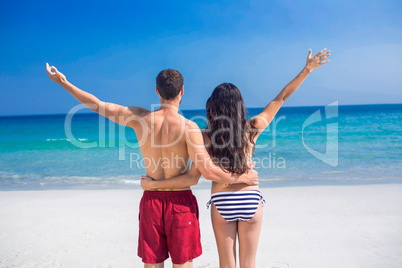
x=262 y=120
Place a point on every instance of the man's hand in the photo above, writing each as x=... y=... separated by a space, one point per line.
x=55 y=75
x=147 y=183
x=250 y=177
x=316 y=61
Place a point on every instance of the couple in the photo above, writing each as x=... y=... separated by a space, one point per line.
x=168 y=218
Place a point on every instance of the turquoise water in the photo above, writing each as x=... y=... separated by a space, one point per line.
x=350 y=144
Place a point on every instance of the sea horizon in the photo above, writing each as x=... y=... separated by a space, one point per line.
x=202 y=109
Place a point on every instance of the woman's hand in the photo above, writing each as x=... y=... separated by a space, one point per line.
x=147 y=183
x=316 y=61
x=55 y=75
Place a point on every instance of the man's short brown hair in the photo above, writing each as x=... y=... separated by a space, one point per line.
x=169 y=83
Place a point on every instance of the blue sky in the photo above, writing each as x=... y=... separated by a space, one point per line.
x=115 y=50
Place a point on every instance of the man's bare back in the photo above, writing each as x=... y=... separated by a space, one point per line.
x=164 y=147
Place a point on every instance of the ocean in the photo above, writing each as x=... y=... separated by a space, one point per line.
x=322 y=145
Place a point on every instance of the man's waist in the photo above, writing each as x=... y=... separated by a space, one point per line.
x=172 y=189
x=166 y=192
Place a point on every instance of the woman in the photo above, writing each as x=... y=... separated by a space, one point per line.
x=236 y=209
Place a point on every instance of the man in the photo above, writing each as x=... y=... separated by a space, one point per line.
x=168 y=219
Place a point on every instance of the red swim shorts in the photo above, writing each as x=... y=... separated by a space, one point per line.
x=169 y=225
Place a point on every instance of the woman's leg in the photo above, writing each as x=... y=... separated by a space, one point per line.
x=225 y=235
x=249 y=234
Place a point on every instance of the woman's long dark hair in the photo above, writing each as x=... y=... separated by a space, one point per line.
x=228 y=129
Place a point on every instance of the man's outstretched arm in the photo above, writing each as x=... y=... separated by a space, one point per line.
x=203 y=162
x=262 y=120
x=120 y=114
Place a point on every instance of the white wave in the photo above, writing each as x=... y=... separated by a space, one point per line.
x=65 y=139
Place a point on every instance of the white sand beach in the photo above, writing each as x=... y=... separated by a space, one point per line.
x=312 y=226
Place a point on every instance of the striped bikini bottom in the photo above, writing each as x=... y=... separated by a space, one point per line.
x=236 y=206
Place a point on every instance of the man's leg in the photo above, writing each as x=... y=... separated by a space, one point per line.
x=156 y=265
x=183 y=231
x=152 y=241
x=188 y=264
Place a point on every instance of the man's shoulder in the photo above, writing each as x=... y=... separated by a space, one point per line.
x=138 y=111
x=190 y=124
